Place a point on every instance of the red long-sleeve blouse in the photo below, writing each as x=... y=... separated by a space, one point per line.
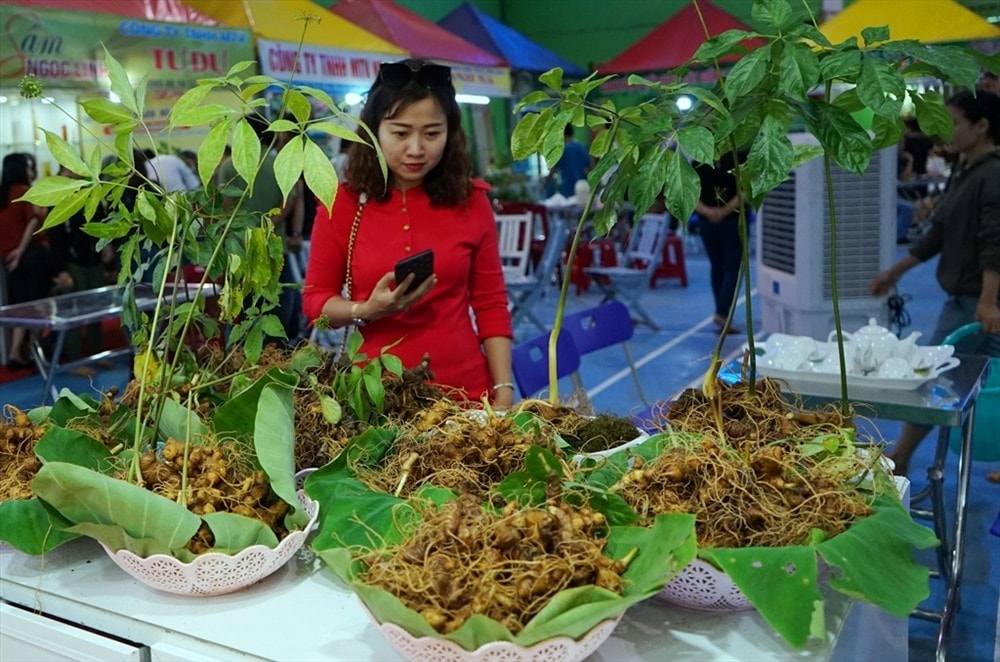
x=467 y=305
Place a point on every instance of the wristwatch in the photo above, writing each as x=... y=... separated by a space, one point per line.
x=355 y=318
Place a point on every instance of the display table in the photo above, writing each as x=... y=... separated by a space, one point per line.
x=303 y=612
x=948 y=401
x=60 y=314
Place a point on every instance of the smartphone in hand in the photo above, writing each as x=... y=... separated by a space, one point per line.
x=420 y=264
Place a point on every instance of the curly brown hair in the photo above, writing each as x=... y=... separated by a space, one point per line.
x=450 y=182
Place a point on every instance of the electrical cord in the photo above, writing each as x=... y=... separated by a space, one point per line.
x=899 y=318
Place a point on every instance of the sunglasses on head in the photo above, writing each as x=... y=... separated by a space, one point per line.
x=398 y=74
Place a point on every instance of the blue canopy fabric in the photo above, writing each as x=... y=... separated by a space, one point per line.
x=491 y=35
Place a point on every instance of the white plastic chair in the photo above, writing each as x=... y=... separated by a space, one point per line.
x=514 y=238
x=630 y=280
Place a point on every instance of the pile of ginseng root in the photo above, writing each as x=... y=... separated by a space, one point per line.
x=466 y=450
x=18 y=464
x=465 y=560
x=760 y=482
x=220 y=478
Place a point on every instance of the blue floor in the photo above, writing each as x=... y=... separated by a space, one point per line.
x=677 y=356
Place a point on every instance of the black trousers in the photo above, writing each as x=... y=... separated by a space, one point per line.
x=722 y=245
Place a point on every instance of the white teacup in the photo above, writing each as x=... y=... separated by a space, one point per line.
x=895 y=367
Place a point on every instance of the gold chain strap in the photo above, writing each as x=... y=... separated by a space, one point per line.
x=348 y=280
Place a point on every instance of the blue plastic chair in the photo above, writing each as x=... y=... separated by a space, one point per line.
x=609 y=324
x=531 y=363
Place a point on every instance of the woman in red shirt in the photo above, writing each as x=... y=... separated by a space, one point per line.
x=25 y=257
x=458 y=316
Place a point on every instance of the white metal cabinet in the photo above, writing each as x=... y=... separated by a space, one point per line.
x=25 y=635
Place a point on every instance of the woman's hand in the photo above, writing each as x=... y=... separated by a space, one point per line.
x=883 y=283
x=13 y=258
x=386 y=301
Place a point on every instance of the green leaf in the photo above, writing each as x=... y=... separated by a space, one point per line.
x=288 y=165
x=524 y=140
x=335 y=129
x=932 y=115
x=63 y=445
x=842 y=64
x=552 y=79
x=875 y=35
x=770 y=157
x=799 y=70
x=774 y=13
x=887 y=575
x=66 y=155
x=332 y=411
x=189 y=101
x=212 y=149
x=234 y=533
x=698 y=143
x=25 y=525
x=747 y=74
x=120 y=85
x=236 y=416
x=780 y=582
x=887 y=132
x=84 y=496
x=720 y=45
x=66 y=209
x=206 y=114
x=842 y=138
x=274 y=443
x=320 y=176
x=246 y=151
x=881 y=87
x=50 y=191
x=298 y=105
x=105 y=111
x=682 y=187
x=648 y=181
x=181 y=423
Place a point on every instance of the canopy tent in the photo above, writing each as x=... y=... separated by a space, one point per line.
x=929 y=21
x=413 y=33
x=520 y=52
x=673 y=42
x=166 y=11
x=474 y=70
x=278 y=22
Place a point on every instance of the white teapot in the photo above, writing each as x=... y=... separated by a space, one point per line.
x=872 y=344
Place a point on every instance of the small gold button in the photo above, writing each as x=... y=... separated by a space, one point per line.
x=406 y=227
x=408 y=249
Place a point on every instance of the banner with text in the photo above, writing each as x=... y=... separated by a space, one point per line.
x=66 y=49
x=338 y=72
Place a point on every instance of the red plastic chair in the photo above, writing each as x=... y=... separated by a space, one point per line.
x=672 y=265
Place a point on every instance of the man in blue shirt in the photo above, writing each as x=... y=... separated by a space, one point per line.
x=573 y=165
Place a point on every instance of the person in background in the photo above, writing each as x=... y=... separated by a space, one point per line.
x=171 y=172
x=429 y=202
x=79 y=266
x=719 y=215
x=25 y=256
x=572 y=166
x=965 y=232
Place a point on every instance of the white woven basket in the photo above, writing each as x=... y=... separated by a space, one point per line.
x=701 y=585
x=213 y=573
x=557 y=649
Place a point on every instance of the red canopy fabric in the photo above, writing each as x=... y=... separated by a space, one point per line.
x=673 y=42
x=165 y=11
x=413 y=33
